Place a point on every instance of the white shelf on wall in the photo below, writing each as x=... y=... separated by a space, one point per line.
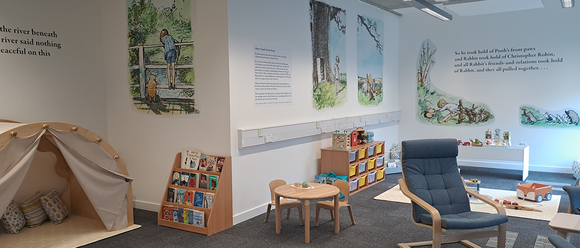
x=260 y=136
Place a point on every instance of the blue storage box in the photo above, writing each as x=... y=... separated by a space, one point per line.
x=362 y=167
x=352 y=156
x=372 y=150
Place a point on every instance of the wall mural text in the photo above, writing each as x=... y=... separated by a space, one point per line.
x=18 y=41
x=507 y=59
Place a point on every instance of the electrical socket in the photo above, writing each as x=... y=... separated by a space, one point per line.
x=260 y=132
x=523 y=144
x=318 y=124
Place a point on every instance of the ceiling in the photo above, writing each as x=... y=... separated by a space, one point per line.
x=462 y=7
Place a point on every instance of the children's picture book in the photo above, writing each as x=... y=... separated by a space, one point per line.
x=180 y=215
x=167 y=212
x=208 y=200
x=198 y=199
x=189 y=197
x=213 y=182
x=211 y=163
x=175 y=213
x=190 y=216
x=184 y=179
x=180 y=196
x=220 y=164
x=190 y=159
x=193 y=179
x=203 y=181
x=175 y=180
x=202 y=163
x=170 y=194
x=186 y=216
x=198 y=218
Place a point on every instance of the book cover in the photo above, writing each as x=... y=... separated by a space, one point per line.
x=202 y=163
x=211 y=163
x=208 y=200
x=220 y=164
x=180 y=196
x=180 y=215
x=186 y=216
x=203 y=181
x=189 y=197
x=168 y=212
x=193 y=179
x=198 y=218
x=175 y=212
x=213 y=182
x=190 y=159
x=190 y=216
x=184 y=179
x=175 y=180
x=198 y=199
x=170 y=194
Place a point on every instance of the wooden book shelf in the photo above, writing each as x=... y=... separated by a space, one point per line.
x=217 y=218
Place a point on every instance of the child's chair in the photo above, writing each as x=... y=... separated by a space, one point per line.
x=344 y=187
x=284 y=203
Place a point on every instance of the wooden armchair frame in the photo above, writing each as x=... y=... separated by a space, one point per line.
x=462 y=238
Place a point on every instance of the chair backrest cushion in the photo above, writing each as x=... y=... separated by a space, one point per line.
x=430 y=171
x=574 y=195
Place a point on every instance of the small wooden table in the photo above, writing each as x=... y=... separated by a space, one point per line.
x=305 y=195
x=565 y=223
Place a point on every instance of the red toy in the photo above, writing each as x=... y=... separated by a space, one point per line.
x=534 y=191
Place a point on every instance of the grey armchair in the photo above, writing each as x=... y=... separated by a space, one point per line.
x=440 y=197
x=574 y=195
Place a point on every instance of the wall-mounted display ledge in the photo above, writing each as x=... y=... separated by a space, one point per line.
x=260 y=136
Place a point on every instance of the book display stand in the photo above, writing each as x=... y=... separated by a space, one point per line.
x=217 y=217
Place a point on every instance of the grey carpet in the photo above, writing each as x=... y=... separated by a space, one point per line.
x=379 y=223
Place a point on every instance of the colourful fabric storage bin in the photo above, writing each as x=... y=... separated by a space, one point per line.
x=362 y=153
x=352 y=156
x=372 y=163
x=352 y=170
x=362 y=181
x=372 y=176
x=362 y=167
x=380 y=161
x=372 y=150
x=381 y=174
x=354 y=184
x=379 y=148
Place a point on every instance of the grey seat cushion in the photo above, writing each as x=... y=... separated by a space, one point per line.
x=466 y=220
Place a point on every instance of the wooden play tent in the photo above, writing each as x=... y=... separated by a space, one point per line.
x=98 y=185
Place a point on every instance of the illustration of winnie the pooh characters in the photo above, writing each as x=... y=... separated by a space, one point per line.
x=152 y=88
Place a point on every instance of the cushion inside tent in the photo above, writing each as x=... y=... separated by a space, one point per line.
x=88 y=173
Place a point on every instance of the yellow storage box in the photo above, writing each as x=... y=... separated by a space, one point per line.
x=362 y=153
x=372 y=163
x=352 y=171
x=362 y=181
x=379 y=148
x=381 y=174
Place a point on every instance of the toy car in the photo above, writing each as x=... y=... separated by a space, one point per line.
x=534 y=191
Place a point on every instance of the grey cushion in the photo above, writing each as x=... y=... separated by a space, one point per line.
x=559 y=242
x=430 y=170
x=574 y=195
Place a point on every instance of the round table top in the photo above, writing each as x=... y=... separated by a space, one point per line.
x=316 y=191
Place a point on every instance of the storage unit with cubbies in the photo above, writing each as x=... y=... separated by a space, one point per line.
x=359 y=163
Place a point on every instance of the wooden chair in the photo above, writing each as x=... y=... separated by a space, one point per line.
x=439 y=196
x=344 y=187
x=284 y=203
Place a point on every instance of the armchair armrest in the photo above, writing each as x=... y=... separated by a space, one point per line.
x=435 y=215
x=498 y=207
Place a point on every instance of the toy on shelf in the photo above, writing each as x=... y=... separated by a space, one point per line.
x=354 y=138
x=341 y=140
x=476 y=142
x=534 y=191
x=362 y=135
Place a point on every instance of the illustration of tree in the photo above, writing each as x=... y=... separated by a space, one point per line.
x=322 y=16
x=371 y=28
x=426 y=61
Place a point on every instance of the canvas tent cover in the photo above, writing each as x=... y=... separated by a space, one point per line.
x=97 y=171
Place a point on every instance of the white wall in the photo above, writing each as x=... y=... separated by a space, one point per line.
x=66 y=86
x=286 y=24
x=552 y=29
x=147 y=143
